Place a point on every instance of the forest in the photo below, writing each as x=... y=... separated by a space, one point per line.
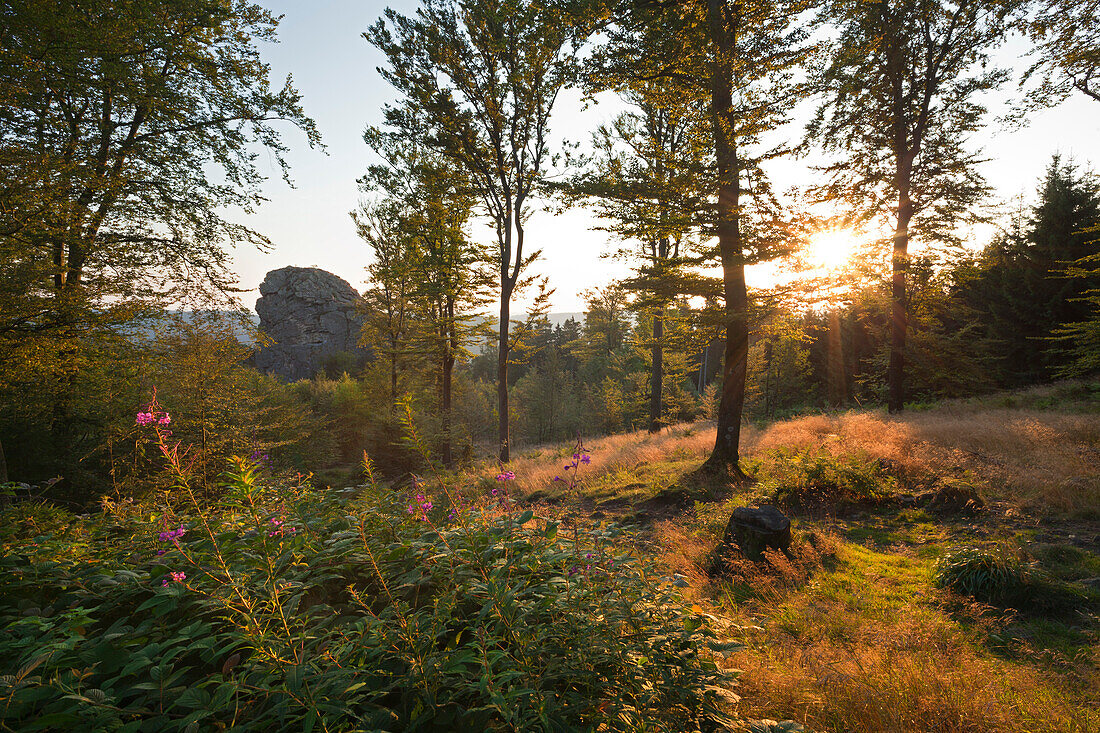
x=826 y=459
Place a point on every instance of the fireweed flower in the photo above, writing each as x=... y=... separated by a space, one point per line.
x=152 y=417
x=586 y=459
x=421 y=506
x=177 y=577
x=506 y=476
x=172 y=535
x=279 y=528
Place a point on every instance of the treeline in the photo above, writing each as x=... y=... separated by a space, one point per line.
x=1007 y=316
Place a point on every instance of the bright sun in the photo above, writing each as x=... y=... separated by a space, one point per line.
x=831 y=249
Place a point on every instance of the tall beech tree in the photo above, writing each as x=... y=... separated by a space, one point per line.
x=902 y=88
x=126 y=129
x=648 y=178
x=478 y=81
x=741 y=57
x=428 y=277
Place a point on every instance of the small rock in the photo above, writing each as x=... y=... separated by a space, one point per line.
x=752 y=529
x=956 y=497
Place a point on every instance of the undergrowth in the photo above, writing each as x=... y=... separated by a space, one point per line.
x=802 y=478
x=280 y=607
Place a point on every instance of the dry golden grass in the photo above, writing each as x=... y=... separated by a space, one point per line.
x=1034 y=458
x=937 y=687
x=855 y=639
x=535 y=469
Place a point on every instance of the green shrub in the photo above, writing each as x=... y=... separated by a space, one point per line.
x=798 y=478
x=983 y=574
x=285 y=608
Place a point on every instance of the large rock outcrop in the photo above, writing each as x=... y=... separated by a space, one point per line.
x=311 y=315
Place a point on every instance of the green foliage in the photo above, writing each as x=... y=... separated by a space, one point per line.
x=1020 y=289
x=983 y=574
x=128 y=127
x=1068 y=56
x=84 y=431
x=779 y=371
x=477 y=83
x=902 y=84
x=800 y=478
x=1080 y=340
x=1003 y=577
x=300 y=609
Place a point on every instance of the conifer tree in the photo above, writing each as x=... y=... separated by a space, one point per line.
x=1021 y=290
x=429 y=277
x=649 y=178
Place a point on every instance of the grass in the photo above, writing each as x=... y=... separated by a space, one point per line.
x=851 y=633
x=865 y=643
x=1036 y=450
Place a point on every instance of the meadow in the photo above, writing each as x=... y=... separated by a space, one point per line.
x=508 y=600
x=869 y=626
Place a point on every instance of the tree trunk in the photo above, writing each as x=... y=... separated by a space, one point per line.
x=899 y=317
x=502 y=373
x=393 y=379
x=656 y=377
x=838 y=387
x=725 y=457
x=3 y=465
x=449 y=348
x=445 y=448
x=768 y=377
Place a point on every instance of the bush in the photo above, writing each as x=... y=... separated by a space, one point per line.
x=801 y=478
x=982 y=574
x=282 y=607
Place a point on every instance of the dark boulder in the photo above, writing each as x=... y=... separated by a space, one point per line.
x=753 y=529
x=955 y=497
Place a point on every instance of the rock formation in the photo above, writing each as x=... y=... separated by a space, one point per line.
x=310 y=315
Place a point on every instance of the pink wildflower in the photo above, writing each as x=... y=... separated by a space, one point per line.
x=177 y=576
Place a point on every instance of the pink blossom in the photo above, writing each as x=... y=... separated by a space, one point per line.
x=172 y=535
x=177 y=576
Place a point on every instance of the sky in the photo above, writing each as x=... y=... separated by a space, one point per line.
x=335 y=69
